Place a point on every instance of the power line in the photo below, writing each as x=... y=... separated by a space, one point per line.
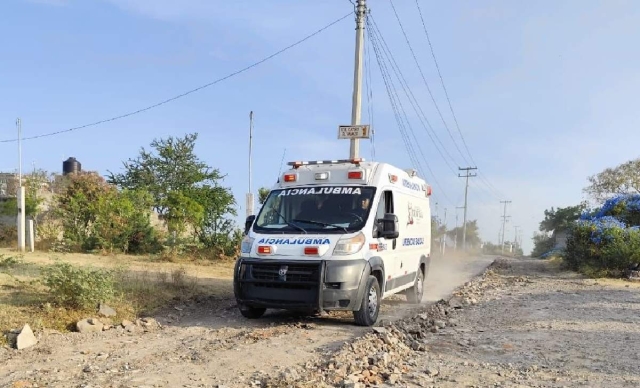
x=415 y=58
x=446 y=93
x=369 y=91
x=188 y=92
x=412 y=99
x=398 y=107
x=442 y=149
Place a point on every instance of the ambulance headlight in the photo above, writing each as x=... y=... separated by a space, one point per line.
x=349 y=245
x=247 y=243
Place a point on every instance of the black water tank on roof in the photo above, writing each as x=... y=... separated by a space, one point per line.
x=71 y=165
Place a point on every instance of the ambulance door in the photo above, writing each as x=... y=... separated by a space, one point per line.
x=387 y=249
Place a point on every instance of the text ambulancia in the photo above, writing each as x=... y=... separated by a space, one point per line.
x=336 y=235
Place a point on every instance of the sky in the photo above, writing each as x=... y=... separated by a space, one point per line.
x=545 y=93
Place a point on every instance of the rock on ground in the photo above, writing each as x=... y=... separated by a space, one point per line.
x=106 y=311
x=22 y=338
x=89 y=325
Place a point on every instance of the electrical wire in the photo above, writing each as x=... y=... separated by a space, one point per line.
x=400 y=114
x=369 y=91
x=424 y=79
x=496 y=192
x=413 y=101
x=188 y=92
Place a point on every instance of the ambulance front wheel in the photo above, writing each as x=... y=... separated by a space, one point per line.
x=251 y=312
x=370 y=307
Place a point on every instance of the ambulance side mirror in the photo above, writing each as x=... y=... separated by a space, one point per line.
x=248 y=223
x=388 y=226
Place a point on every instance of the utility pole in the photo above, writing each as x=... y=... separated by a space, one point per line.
x=504 y=221
x=467 y=175
x=20 y=222
x=444 y=235
x=361 y=10
x=455 y=242
x=250 y=199
x=515 y=237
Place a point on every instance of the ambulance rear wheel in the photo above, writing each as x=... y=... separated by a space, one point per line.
x=414 y=294
x=370 y=307
x=251 y=312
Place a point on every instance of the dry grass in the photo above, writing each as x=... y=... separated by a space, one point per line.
x=142 y=287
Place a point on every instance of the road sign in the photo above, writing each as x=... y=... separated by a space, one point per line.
x=354 y=132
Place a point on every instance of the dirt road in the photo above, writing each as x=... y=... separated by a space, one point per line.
x=523 y=323
x=205 y=343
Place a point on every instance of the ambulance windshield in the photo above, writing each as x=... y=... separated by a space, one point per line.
x=322 y=209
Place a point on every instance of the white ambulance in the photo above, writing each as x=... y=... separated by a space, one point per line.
x=336 y=235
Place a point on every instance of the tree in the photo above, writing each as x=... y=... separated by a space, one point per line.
x=185 y=190
x=217 y=228
x=542 y=243
x=561 y=218
x=175 y=177
x=95 y=215
x=622 y=179
x=78 y=205
x=473 y=235
x=122 y=222
x=263 y=193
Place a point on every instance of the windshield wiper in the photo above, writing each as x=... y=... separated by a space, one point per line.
x=322 y=224
x=287 y=221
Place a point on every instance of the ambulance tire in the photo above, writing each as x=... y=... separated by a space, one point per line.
x=414 y=294
x=370 y=307
x=251 y=312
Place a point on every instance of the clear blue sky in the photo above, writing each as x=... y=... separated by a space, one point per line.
x=545 y=92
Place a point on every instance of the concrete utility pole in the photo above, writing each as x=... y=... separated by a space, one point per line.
x=467 y=175
x=250 y=200
x=455 y=242
x=504 y=221
x=515 y=236
x=20 y=222
x=361 y=10
x=444 y=236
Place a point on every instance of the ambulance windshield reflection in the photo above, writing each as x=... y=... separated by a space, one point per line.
x=326 y=209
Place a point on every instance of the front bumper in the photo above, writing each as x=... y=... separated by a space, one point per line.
x=300 y=284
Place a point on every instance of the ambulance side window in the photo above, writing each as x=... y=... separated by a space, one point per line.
x=385 y=205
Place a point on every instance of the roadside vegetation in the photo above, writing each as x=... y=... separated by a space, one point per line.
x=100 y=235
x=165 y=202
x=54 y=292
x=601 y=240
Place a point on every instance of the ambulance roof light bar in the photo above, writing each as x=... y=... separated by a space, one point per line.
x=316 y=162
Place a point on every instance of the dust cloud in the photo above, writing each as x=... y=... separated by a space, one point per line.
x=450 y=272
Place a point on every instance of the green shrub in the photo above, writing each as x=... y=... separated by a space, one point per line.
x=598 y=251
x=542 y=243
x=8 y=236
x=78 y=287
x=9 y=261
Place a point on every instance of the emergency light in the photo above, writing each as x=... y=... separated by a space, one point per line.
x=314 y=251
x=297 y=164
x=355 y=174
x=290 y=177
x=265 y=250
x=322 y=176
